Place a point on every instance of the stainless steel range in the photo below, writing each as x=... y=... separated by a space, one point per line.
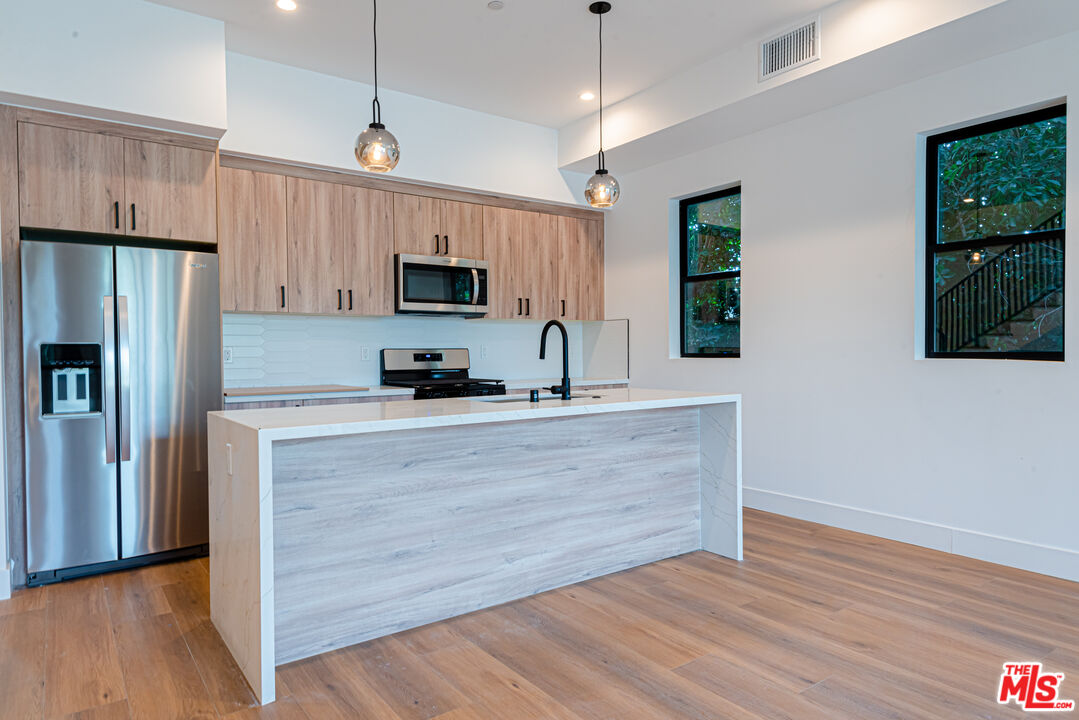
x=435 y=373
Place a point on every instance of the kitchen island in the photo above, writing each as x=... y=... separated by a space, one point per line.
x=331 y=525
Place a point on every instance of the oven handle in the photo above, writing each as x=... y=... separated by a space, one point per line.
x=475 y=286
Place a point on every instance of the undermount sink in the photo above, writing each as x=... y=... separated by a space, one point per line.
x=524 y=398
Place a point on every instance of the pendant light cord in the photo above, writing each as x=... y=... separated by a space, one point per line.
x=601 y=157
x=376 y=106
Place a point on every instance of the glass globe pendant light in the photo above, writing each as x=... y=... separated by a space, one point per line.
x=602 y=189
x=376 y=148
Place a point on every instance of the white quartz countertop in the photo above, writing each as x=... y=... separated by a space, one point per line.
x=349 y=419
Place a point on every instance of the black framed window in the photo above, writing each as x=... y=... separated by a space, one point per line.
x=995 y=239
x=711 y=277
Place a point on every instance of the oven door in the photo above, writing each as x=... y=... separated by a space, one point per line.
x=441 y=285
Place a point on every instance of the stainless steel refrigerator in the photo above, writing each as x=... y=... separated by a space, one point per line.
x=121 y=350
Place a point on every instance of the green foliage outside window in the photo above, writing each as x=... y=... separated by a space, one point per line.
x=996 y=240
x=711 y=279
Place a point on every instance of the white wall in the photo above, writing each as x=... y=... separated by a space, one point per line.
x=276 y=350
x=845 y=423
x=125 y=60
x=286 y=112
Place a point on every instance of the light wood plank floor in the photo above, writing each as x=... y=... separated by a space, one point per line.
x=817 y=623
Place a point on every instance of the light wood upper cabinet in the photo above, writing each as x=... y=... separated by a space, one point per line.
x=580 y=273
x=368 y=250
x=541 y=256
x=253 y=241
x=101 y=183
x=538 y=260
x=417 y=225
x=429 y=226
x=340 y=249
x=171 y=191
x=71 y=180
x=315 y=247
x=462 y=229
x=503 y=249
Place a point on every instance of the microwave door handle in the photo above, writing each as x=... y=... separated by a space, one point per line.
x=475 y=286
x=109 y=326
x=125 y=377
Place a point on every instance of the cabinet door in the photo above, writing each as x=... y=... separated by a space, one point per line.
x=315 y=263
x=253 y=241
x=171 y=192
x=416 y=225
x=462 y=229
x=503 y=247
x=580 y=269
x=368 y=250
x=592 y=271
x=70 y=180
x=539 y=257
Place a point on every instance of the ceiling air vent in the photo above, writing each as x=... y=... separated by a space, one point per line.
x=790 y=49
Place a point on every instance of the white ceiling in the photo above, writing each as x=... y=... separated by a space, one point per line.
x=528 y=61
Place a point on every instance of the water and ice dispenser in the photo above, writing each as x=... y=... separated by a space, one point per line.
x=70 y=378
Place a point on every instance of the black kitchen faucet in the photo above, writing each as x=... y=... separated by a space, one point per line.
x=564 y=389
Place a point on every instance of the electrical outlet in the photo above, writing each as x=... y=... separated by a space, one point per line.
x=483 y=352
x=365 y=353
x=227 y=355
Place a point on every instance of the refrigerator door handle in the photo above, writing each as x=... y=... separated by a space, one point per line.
x=109 y=327
x=125 y=378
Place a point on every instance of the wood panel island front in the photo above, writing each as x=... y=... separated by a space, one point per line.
x=331 y=525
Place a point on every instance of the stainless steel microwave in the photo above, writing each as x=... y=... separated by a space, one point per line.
x=433 y=285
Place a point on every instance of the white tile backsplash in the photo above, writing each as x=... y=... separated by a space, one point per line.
x=269 y=350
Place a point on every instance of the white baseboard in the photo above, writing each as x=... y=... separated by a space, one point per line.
x=5 y=582
x=1021 y=554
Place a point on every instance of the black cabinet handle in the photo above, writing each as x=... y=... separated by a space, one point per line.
x=350 y=298
x=436 y=244
x=339 y=298
x=519 y=306
x=563 y=308
x=528 y=307
x=282 y=296
x=445 y=244
x=116 y=209
x=132 y=216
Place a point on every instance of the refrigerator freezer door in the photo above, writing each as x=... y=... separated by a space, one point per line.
x=169 y=342
x=67 y=320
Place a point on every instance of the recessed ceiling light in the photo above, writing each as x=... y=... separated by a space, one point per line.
x=286 y=5
x=496 y=5
x=587 y=96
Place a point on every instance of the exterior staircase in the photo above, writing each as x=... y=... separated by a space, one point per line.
x=1013 y=303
